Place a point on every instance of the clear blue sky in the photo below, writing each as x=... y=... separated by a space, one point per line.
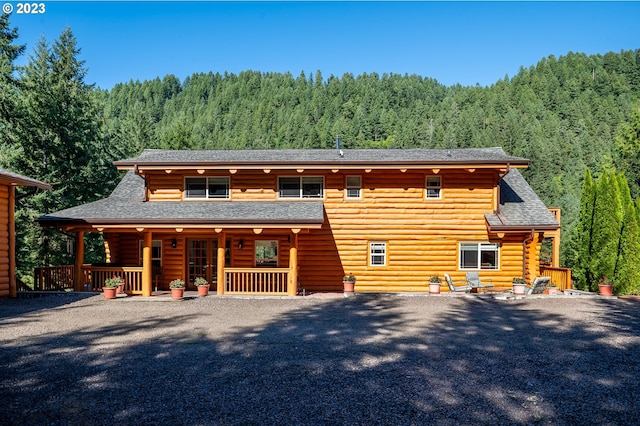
x=453 y=42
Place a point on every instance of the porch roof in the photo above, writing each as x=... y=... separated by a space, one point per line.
x=520 y=207
x=125 y=207
x=10 y=178
x=321 y=158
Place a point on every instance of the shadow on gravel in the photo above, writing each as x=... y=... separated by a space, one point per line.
x=359 y=361
x=38 y=301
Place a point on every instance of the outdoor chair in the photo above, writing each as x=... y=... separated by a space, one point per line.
x=473 y=280
x=539 y=285
x=453 y=288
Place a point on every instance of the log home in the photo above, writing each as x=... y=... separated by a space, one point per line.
x=8 y=182
x=286 y=221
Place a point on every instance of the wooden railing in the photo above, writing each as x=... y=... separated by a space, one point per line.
x=95 y=276
x=53 y=278
x=256 y=281
x=61 y=278
x=560 y=276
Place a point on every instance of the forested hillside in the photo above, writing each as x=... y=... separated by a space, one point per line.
x=566 y=114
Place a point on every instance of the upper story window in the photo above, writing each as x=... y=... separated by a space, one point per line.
x=354 y=187
x=206 y=187
x=433 y=187
x=301 y=187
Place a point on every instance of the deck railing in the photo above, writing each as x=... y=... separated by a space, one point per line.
x=560 y=276
x=61 y=278
x=257 y=281
x=53 y=278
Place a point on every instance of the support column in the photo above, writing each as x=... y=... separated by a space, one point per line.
x=220 y=263
x=147 y=267
x=292 y=288
x=13 y=289
x=78 y=282
x=555 y=260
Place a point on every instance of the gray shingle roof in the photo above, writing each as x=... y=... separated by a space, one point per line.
x=126 y=205
x=21 y=180
x=300 y=157
x=520 y=206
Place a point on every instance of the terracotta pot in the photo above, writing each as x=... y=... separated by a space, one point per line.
x=348 y=286
x=120 y=288
x=203 y=290
x=109 y=292
x=177 y=293
x=434 y=288
x=518 y=289
x=553 y=290
x=606 y=289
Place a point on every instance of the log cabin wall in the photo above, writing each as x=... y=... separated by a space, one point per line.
x=422 y=234
x=4 y=240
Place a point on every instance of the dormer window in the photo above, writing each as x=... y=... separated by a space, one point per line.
x=301 y=187
x=206 y=187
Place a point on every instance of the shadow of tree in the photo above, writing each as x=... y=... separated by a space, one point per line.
x=370 y=359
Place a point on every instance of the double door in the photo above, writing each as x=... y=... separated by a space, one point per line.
x=203 y=259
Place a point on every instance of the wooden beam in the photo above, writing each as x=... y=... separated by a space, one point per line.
x=292 y=284
x=78 y=282
x=220 y=263
x=13 y=289
x=147 y=269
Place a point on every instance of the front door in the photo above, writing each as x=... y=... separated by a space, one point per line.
x=203 y=255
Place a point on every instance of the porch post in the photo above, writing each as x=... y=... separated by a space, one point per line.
x=292 y=288
x=220 y=263
x=146 y=264
x=13 y=289
x=78 y=283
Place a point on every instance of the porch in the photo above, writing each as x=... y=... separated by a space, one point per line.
x=237 y=281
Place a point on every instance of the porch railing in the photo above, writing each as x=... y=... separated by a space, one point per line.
x=560 y=276
x=256 y=281
x=53 y=278
x=61 y=278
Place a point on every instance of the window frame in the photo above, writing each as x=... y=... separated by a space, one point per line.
x=207 y=185
x=384 y=254
x=357 y=187
x=488 y=248
x=301 y=187
x=437 y=187
x=155 y=244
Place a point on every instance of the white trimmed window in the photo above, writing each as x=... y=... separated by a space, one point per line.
x=301 y=187
x=354 y=187
x=433 y=187
x=377 y=253
x=206 y=187
x=475 y=256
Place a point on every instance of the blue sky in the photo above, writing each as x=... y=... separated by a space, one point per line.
x=453 y=42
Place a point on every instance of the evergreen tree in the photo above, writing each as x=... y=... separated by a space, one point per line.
x=626 y=278
x=583 y=268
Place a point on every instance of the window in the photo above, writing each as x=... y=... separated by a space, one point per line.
x=434 y=187
x=301 y=187
x=354 y=187
x=156 y=252
x=207 y=187
x=267 y=253
x=479 y=255
x=377 y=254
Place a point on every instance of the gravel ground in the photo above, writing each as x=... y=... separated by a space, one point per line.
x=364 y=360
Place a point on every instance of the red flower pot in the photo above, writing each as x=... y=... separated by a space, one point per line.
x=606 y=289
x=177 y=293
x=109 y=292
x=203 y=290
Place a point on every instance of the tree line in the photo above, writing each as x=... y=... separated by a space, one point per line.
x=568 y=114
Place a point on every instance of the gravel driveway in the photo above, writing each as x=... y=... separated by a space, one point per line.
x=364 y=360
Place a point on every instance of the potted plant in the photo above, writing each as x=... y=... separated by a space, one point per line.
x=519 y=285
x=605 y=286
x=111 y=287
x=119 y=281
x=177 y=288
x=434 y=284
x=203 y=286
x=552 y=289
x=349 y=283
